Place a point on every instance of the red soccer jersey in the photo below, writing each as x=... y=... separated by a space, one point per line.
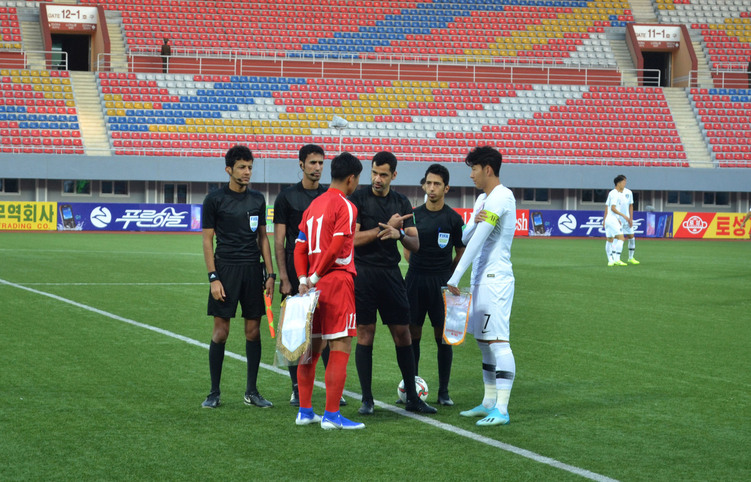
x=328 y=216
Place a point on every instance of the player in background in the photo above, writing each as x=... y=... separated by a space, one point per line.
x=289 y=206
x=324 y=260
x=614 y=219
x=488 y=237
x=439 y=228
x=236 y=216
x=383 y=218
x=627 y=227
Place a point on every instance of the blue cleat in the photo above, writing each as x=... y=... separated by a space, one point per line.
x=306 y=416
x=478 y=411
x=494 y=418
x=335 y=421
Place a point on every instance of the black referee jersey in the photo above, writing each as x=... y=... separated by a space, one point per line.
x=372 y=210
x=289 y=207
x=235 y=218
x=439 y=232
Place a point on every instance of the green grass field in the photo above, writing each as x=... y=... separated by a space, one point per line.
x=634 y=373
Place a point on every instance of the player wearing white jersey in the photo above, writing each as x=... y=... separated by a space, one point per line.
x=488 y=237
x=613 y=220
x=628 y=228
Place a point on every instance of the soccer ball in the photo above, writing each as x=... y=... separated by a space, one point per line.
x=420 y=385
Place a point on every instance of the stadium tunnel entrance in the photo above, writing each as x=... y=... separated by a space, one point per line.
x=78 y=48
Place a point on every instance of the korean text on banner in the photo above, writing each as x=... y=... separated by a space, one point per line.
x=28 y=216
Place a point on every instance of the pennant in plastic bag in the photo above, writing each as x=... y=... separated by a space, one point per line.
x=295 y=320
x=457 y=316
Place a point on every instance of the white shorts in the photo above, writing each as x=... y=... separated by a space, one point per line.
x=491 y=310
x=612 y=228
x=627 y=229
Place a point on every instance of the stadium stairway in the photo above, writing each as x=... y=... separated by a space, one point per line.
x=117 y=60
x=90 y=116
x=688 y=127
x=617 y=39
x=32 y=42
x=643 y=11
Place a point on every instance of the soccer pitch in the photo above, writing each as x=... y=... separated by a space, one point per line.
x=627 y=373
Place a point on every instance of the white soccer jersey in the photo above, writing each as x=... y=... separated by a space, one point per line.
x=620 y=202
x=490 y=256
x=629 y=202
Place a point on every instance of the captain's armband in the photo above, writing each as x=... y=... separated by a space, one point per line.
x=491 y=218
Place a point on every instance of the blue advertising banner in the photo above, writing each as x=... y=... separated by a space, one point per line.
x=128 y=217
x=589 y=223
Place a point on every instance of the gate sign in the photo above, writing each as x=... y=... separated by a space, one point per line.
x=66 y=18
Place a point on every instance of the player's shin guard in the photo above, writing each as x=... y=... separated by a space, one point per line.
x=306 y=377
x=505 y=367
x=253 y=355
x=216 y=360
x=364 y=364
x=488 y=375
x=406 y=360
x=618 y=249
x=336 y=375
x=631 y=247
x=609 y=250
x=445 y=357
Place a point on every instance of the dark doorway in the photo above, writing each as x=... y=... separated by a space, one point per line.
x=657 y=61
x=78 y=48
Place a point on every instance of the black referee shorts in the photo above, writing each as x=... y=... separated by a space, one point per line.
x=425 y=297
x=381 y=290
x=242 y=283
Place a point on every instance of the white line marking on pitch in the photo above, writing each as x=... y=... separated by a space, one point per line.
x=441 y=425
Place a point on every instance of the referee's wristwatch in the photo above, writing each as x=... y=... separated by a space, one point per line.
x=401 y=234
x=270 y=275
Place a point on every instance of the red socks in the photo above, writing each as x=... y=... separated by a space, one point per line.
x=306 y=377
x=336 y=375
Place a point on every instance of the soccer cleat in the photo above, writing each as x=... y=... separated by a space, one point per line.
x=478 y=411
x=212 y=401
x=307 y=417
x=257 y=400
x=445 y=400
x=611 y=263
x=633 y=261
x=418 y=406
x=294 y=399
x=494 y=418
x=335 y=421
x=366 y=408
x=620 y=263
x=342 y=402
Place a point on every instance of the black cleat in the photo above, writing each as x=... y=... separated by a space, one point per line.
x=366 y=408
x=418 y=406
x=257 y=400
x=294 y=399
x=342 y=402
x=212 y=401
x=445 y=400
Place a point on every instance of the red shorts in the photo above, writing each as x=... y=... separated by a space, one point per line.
x=335 y=315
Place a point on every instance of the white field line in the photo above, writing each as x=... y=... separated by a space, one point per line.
x=427 y=420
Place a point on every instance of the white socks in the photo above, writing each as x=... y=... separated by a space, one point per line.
x=609 y=250
x=631 y=247
x=488 y=375
x=504 y=374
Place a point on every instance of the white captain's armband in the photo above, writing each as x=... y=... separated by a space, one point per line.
x=491 y=218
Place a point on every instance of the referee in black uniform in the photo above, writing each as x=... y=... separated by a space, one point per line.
x=383 y=218
x=440 y=232
x=289 y=207
x=236 y=215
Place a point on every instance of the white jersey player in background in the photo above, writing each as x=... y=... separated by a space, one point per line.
x=614 y=218
x=628 y=227
x=488 y=237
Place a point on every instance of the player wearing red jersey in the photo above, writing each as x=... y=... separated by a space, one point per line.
x=324 y=254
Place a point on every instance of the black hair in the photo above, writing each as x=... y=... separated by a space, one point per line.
x=309 y=149
x=438 y=170
x=237 y=153
x=385 y=157
x=345 y=165
x=618 y=178
x=485 y=156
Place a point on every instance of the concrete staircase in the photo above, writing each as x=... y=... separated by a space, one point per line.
x=32 y=44
x=688 y=127
x=643 y=11
x=118 y=60
x=90 y=114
